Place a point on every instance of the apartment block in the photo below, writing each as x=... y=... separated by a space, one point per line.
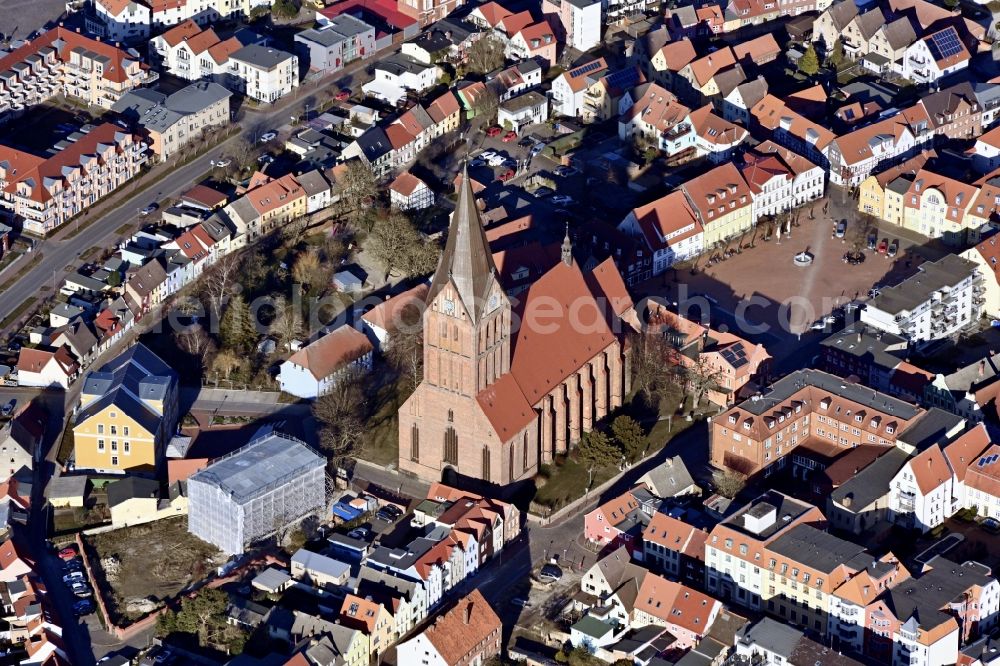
x=806 y=408
x=943 y=298
x=65 y=62
x=263 y=73
x=169 y=122
x=41 y=193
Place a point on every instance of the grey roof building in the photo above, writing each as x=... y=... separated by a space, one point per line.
x=171 y=120
x=244 y=496
x=141 y=386
x=261 y=57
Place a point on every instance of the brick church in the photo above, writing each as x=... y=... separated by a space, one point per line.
x=509 y=383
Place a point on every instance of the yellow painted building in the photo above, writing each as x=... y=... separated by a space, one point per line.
x=126 y=414
x=136 y=500
x=871 y=197
x=723 y=202
x=935 y=206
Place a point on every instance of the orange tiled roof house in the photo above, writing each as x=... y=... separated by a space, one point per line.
x=508 y=386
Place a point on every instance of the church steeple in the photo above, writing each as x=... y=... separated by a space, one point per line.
x=567 y=248
x=466 y=261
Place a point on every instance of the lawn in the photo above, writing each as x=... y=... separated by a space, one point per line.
x=152 y=561
x=382 y=438
x=568 y=481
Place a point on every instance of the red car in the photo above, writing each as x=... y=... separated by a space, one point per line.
x=509 y=136
x=68 y=553
x=343 y=95
x=506 y=175
x=493 y=131
x=883 y=246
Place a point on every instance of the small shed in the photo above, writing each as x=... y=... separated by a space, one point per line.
x=349 y=280
x=67 y=491
x=271 y=580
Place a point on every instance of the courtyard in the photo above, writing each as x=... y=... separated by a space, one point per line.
x=759 y=292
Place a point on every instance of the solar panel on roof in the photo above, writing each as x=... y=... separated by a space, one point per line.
x=946 y=44
x=586 y=69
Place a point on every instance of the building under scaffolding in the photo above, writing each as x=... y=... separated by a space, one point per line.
x=250 y=493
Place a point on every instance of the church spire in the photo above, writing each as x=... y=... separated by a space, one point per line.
x=567 y=248
x=466 y=261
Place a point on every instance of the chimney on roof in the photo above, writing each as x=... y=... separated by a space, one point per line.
x=467 y=617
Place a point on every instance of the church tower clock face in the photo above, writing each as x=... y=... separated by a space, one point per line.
x=449 y=306
x=494 y=303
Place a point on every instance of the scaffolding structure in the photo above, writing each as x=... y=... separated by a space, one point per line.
x=272 y=482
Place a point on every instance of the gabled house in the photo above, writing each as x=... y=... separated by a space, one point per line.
x=316 y=368
x=46 y=367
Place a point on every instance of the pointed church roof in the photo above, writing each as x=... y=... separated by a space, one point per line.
x=466 y=260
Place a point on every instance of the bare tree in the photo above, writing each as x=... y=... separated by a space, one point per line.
x=729 y=483
x=309 y=269
x=287 y=323
x=653 y=365
x=486 y=105
x=701 y=378
x=340 y=415
x=196 y=342
x=357 y=189
x=397 y=245
x=406 y=351
x=220 y=281
x=243 y=156
x=485 y=55
x=225 y=362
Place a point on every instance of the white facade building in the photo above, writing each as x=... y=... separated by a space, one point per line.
x=262 y=73
x=939 y=301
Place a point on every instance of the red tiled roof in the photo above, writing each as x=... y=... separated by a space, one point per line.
x=332 y=351
x=462 y=630
x=406 y=184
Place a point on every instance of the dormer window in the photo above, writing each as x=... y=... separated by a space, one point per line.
x=824 y=403
x=732 y=418
x=890 y=429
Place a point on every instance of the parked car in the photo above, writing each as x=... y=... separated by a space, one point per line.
x=151 y=208
x=268 y=136
x=73 y=577
x=494 y=131
x=883 y=246
x=566 y=171
x=496 y=160
x=550 y=573
x=343 y=95
x=893 y=248
x=488 y=154
x=509 y=136
x=841 y=229
x=81 y=589
x=83 y=607
x=872 y=240
x=478 y=162
x=506 y=175
x=526 y=141
x=562 y=200
x=537 y=148
x=68 y=553
x=8 y=409
x=389 y=513
x=72 y=565
x=222 y=163
x=543 y=192
x=359 y=533
x=992 y=525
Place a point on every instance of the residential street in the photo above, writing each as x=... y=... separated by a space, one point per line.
x=58 y=252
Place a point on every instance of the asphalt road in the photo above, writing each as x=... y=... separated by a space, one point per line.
x=58 y=254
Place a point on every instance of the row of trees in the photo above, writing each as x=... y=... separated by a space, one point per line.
x=204 y=616
x=626 y=443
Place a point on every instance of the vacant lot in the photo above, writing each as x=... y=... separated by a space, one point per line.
x=148 y=563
